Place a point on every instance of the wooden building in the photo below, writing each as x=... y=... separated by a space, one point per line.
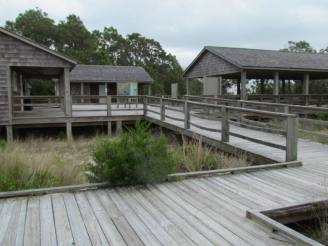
x=22 y=59
x=25 y=64
x=216 y=64
x=102 y=80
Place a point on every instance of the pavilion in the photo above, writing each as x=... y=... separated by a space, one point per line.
x=215 y=64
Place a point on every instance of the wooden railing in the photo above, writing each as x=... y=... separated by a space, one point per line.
x=301 y=111
x=108 y=104
x=38 y=106
x=296 y=99
x=225 y=117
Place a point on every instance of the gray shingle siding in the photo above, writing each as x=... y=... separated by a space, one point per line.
x=108 y=73
x=14 y=52
x=209 y=64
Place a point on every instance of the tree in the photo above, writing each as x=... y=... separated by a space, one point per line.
x=36 y=25
x=299 y=46
x=75 y=40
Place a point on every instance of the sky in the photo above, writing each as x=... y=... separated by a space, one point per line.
x=184 y=27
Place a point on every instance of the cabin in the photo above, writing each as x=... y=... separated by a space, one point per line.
x=216 y=65
x=40 y=87
x=103 y=80
x=21 y=60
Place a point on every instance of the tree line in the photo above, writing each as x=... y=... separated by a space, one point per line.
x=101 y=47
x=108 y=46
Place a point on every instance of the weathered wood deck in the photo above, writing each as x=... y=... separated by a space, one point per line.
x=198 y=211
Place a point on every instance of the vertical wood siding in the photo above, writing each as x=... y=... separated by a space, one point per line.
x=14 y=52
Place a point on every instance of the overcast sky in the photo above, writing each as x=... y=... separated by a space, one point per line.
x=183 y=27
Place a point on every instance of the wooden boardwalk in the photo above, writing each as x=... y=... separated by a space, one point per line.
x=198 y=211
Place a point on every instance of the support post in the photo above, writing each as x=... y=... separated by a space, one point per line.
x=243 y=81
x=276 y=87
x=149 y=90
x=187 y=115
x=109 y=106
x=9 y=132
x=306 y=86
x=262 y=86
x=291 y=138
x=82 y=92
x=109 y=128
x=225 y=125
x=69 y=134
x=119 y=128
x=21 y=84
x=145 y=100
x=67 y=92
x=220 y=80
x=174 y=90
x=187 y=87
x=162 y=108
x=238 y=87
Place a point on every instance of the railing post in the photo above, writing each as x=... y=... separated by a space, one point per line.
x=109 y=105
x=187 y=115
x=162 y=109
x=225 y=125
x=145 y=101
x=291 y=138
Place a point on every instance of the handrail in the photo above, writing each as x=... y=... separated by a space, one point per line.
x=291 y=122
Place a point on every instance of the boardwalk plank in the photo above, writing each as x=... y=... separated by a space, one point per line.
x=63 y=228
x=32 y=235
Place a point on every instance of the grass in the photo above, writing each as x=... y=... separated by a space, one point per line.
x=194 y=156
x=46 y=162
x=40 y=163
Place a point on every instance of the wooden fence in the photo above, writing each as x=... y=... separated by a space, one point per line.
x=191 y=108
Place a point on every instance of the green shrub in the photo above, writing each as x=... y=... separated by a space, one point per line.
x=137 y=157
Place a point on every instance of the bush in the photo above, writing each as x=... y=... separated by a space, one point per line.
x=137 y=157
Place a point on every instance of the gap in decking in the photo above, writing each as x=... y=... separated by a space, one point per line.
x=310 y=219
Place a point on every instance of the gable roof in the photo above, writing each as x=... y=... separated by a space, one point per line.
x=109 y=73
x=36 y=45
x=267 y=59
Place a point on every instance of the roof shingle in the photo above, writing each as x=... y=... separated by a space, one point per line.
x=109 y=73
x=270 y=59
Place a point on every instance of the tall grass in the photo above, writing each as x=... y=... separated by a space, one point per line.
x=194 y=156
x=36 y=163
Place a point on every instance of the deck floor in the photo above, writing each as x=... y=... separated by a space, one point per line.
x=198 y=211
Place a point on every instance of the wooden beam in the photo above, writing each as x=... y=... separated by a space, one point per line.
x=220 y=80
x=9 y=131
x=119 y=128
x=67 y=92
x=69 y=134
x=306 y=83
x=225 y=125
x=237 y=170
x=187 y=87
x=186 y=115
x=243 y=81
x=291 y=138
x=109 y=128
x=276 y=83
x=10 y=92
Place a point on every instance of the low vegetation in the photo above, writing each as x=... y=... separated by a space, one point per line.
x=194 y=156
x=136 y=157
x=36 y=163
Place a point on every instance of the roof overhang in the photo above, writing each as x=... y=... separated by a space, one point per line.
x=38 y=46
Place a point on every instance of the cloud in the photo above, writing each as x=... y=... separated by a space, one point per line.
x=184 y=27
